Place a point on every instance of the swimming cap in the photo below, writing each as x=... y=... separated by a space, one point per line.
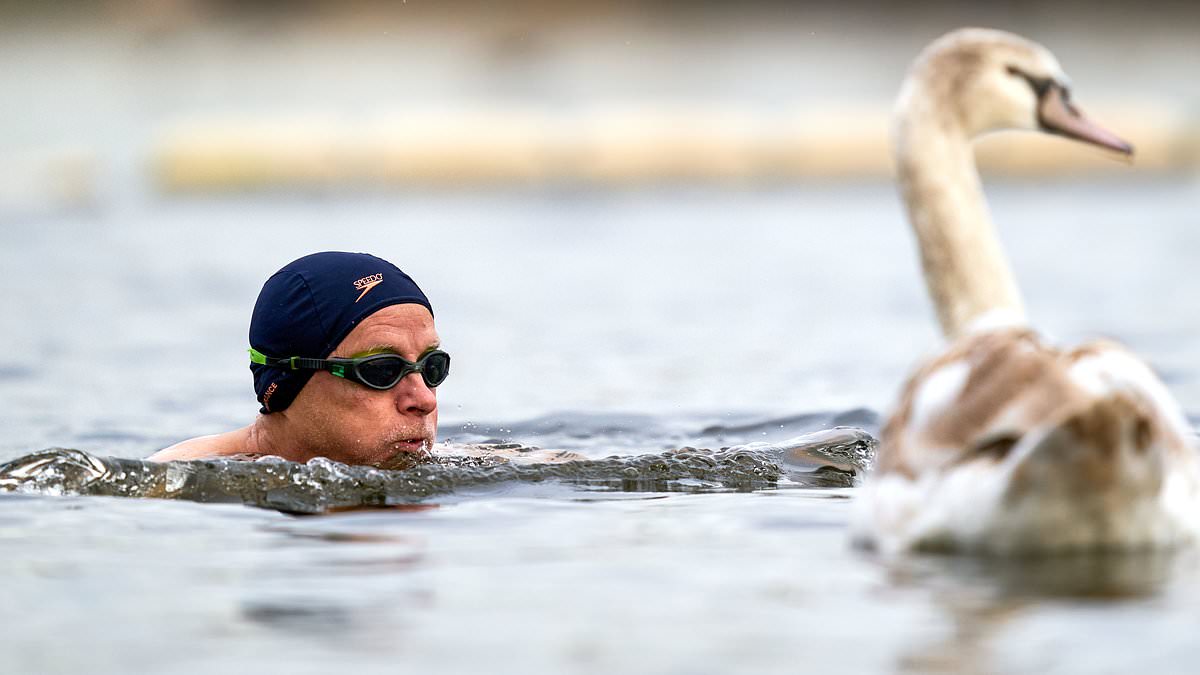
x=307 y=308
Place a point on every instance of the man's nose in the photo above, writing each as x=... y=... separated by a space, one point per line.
x=414 y=397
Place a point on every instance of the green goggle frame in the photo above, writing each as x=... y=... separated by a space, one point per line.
x=378 y=371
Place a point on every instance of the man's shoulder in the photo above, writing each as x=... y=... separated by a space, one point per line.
x=205 y=447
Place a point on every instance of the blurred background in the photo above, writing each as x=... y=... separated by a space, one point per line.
x=203 y=96
x=654 y=206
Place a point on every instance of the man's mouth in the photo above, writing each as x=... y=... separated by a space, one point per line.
x=407 y=452
x=415 y=444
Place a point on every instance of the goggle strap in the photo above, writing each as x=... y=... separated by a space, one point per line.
x=260 y=358
x=287 y=363
x=301 y=363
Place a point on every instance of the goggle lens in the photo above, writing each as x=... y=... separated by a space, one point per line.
x=383 y=372
x=435 y=368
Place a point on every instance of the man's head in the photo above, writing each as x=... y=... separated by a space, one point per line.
x=330 y=306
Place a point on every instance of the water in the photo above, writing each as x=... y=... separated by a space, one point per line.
x=623 y=322
x=830 y=458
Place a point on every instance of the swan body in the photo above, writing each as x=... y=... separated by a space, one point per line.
x=1004 y=443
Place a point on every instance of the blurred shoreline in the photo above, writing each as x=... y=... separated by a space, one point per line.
x=615 y=146
x=211 y=97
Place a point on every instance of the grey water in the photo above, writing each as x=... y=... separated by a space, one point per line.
x=612 y=322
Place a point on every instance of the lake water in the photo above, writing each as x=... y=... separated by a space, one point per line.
x=605 y=322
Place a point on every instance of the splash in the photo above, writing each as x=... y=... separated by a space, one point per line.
x=832 y=458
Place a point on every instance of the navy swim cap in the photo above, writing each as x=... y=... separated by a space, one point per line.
x=308 y=307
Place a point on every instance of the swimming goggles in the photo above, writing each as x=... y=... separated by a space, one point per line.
x=378 y=371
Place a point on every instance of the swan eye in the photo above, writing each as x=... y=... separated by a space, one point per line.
x=1040 y=85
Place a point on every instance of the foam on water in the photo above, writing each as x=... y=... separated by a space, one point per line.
x=831 y=458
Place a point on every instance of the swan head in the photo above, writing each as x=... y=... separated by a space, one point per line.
x=982 y=80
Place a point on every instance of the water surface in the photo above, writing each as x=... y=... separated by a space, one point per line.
x=622 y=322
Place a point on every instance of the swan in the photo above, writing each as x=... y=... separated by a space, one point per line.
x=1005 y=444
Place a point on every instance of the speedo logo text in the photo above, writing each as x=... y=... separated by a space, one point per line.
x=365 y=284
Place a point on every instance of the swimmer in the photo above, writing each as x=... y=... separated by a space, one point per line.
x=346 y=364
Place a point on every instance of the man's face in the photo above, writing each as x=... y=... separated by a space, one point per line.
x=352 y=423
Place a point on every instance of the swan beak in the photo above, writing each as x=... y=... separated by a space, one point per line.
x=1058 y=116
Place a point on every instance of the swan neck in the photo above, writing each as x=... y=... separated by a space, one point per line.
x=967 y=274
